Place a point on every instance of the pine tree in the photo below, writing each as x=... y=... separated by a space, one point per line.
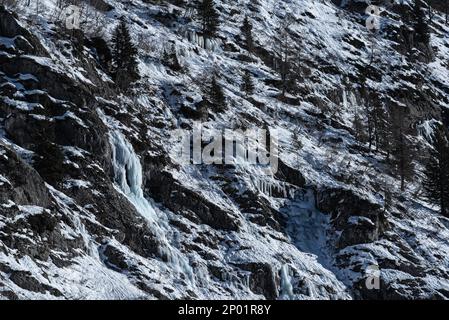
x=358 y=126
x=284 y=52
x=367 y=108
x=247 y=32
x=247 y=85
x=436 y=181
x=216 y=95
x=125 y=69
x=422 y=32
x=446 y=11
x=297 y=144
x=209 y=17
x=404 y=159
x=402 y=147
x=380 y=125
x=386 y=133
x=296 y=72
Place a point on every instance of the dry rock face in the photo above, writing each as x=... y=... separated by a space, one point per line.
x=115 y=213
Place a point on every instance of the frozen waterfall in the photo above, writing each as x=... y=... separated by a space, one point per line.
x=286 y=291
x=128 y=178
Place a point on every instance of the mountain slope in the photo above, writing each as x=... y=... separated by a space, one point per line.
x=118 y=215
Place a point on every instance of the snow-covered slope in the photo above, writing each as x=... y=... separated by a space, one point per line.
x=131 y=220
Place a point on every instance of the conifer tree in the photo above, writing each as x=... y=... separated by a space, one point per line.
x=216 y=95
x=446 y=11
x=401 y=146
x=297 y=144
x=284 y=52
x=380 y=124
x=209 y=17
x=386 y=133
x=247 y=85
x=124 y=52
x=358 y=126
x=247 y=32
x=404 y=159
x=436 y=180
x=367 y=99
x=422 y=32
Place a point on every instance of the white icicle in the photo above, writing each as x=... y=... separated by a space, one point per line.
x=286 y=284
x=345 y=100
x=128 y=177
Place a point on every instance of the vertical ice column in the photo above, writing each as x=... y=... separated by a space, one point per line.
x=286 y=290
x=128 y=177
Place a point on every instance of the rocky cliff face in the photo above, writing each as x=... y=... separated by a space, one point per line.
x=115 y=214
